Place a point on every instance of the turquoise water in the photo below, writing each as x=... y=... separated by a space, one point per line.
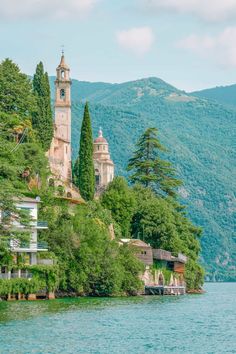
x=189 y=324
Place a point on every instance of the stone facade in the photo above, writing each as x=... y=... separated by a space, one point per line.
x=59 y=154
x=104 y=166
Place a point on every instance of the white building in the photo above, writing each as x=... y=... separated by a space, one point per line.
x=28 y=249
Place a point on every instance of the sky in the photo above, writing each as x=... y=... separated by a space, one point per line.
x=190 y=44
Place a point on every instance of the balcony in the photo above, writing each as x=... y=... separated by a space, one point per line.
x=17 y=246
x=16 y=275
x=41 y=225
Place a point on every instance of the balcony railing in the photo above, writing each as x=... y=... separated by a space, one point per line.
x=34 y=246
x=16 y=275
x=42 y=224
x=33 y=224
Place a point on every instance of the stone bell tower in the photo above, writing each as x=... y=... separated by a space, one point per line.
x=60 y=150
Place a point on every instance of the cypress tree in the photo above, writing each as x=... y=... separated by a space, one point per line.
x=75 y=172
x=148 y=167
x=42 y=118
x=86 y=174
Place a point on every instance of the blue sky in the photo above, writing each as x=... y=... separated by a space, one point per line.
x=191 y=44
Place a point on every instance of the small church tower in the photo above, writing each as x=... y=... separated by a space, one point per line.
x=60 y=150
x=104 y=166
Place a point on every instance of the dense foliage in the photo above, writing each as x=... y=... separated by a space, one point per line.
x=119 y=199
x=42 y=118
x=85 y=173
x=16 y=94
x=200 y=136
x=159 y=221
x=90 y=262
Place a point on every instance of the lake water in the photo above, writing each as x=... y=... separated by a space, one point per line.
x=188 y=324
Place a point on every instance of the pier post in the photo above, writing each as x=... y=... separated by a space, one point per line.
x=32 y=297
x=51 y=295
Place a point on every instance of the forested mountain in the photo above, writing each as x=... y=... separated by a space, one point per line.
x=200 y=136
x=225 y=95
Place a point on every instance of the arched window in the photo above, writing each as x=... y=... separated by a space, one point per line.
x=97 y=177
x=62 y=94
x=51 y=182
x=62 y=74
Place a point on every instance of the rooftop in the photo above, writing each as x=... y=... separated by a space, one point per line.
x=100 y=139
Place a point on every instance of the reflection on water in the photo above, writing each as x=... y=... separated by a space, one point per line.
x=189 y=324
x=22 y=310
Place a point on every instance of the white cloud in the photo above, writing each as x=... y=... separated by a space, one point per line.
x=137 y=40
x=209 y=10
x=55 y=9
x=220 y=47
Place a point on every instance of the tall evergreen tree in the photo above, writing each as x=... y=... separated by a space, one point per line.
x=16 y=94
x=85 y=171
x=148 y=167
x=42 y=118
x=75 y=172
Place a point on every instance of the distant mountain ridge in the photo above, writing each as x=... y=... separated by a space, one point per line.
x=200 y=136
x=225 y=95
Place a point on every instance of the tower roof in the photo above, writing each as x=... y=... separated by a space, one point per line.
x=100 y=139
x=62 y=62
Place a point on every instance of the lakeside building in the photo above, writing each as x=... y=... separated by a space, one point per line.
x=157 y=263
x=27 y=252
x=59 y=154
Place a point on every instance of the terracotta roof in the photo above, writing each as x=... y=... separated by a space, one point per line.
x=100 y=140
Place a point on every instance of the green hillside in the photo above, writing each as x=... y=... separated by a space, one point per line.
x=200 y=136
x=225 y=95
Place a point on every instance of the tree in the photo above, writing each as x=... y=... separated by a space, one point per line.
x=120 y=200
x=42 y=117
x=159 y=222
x=16 y=95
x=148 y=167
x=75 y=172
x=85 y=173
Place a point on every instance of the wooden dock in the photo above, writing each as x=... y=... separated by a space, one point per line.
x=164 y=290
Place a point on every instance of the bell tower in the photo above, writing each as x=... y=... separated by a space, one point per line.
x=63 y=101
x=60 y=150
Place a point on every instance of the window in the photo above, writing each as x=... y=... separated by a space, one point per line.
x=62 y=94
x=62 y=74
x=104 y=147
x=97 y=180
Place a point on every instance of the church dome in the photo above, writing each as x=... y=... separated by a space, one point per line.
x=100 y=139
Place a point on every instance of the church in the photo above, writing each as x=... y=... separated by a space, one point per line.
x=59 y=154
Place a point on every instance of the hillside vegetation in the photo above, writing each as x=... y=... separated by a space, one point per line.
x=200 y=136
x=225 y=95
